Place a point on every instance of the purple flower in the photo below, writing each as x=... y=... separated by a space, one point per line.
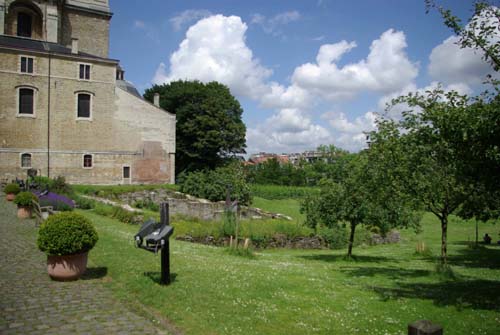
x=57 y=201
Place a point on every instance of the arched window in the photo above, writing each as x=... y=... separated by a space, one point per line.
x=26 y=160
x=24 y=24
x=84 y=106
x=87 y=161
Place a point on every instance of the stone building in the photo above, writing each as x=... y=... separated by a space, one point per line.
x=65 y=108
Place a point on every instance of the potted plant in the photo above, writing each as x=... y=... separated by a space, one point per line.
x=66 y=238
x=24 y=202
x=11 y=190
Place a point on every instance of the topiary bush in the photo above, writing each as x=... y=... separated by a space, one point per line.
x=66 y=233
x=25 y=199
x=12 y=189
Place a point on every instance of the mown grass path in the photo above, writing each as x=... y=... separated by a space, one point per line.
x=30 y=303
x=310 y=292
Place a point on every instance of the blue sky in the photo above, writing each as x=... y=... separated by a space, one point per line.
x=305 y=72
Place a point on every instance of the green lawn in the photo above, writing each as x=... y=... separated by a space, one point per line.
x=290 y=207
x=309 y=292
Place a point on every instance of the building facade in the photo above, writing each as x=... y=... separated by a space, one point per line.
x=65 y=108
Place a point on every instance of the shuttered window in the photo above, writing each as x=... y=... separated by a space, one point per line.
x=84 y=105
x=26 y=100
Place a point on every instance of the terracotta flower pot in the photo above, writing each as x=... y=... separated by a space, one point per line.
x=67 y=267
x=23 y=212
x=10 y=196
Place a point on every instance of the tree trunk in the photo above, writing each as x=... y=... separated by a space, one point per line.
x=351 y=240
x=444 y=229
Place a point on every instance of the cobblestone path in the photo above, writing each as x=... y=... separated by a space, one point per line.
x=31 y=303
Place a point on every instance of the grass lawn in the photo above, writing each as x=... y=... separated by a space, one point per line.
x=309 y=292
x=290 y=207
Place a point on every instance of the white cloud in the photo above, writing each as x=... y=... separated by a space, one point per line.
x=349 y=134
x=451 y=64
x=188 y=16
x=319 y=38
x=215 y=49
x=386 y=68
x=273 y=24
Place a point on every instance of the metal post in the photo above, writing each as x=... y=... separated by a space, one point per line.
x=165 y=250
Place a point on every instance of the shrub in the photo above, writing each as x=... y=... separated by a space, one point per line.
x=335 y=236
x=84 y=203
x=57 y=201
x=25 y=199
x=147 y=204
x=123 y=215
x=66 y=234
x=12 y=188
x=228 y=224
x=213 y=184
x=57 y=185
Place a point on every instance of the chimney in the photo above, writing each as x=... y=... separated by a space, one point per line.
x=74 y=45
x=157 y=99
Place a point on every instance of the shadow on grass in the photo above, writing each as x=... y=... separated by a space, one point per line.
x=155 y=276
x=343 y=258
x=476 y=257
x=463 y=294
x=95 y=273
x=389 y=272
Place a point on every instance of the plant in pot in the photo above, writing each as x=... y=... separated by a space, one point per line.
x=11 y=190
x=66 y=238
x=24 y=202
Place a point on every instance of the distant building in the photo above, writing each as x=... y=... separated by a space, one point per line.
x=65 y=107
x=262 y=157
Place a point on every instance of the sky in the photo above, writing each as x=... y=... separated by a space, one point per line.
x=306 y=72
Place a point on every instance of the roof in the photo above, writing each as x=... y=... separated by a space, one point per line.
x=94 y=6
x=129 y=87
x=15 y=42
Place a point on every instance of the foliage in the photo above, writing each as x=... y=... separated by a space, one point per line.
x=147 y=204
x=214 y=184
x=25 y=199
x=66 y=234
x=335 y=236
x=229 y=223
x=57 y=201
x=57 y=185
x=275 y=192
x=209 y=127
x=12 y=189
x=84 y=203
x=364 y=196
x=118 y=213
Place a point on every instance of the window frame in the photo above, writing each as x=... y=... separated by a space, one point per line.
x=85 y=66
x=129 y=172
x=91 y=161
x=20 y=67
x=21 y=160
x=18 y=102
x=91 y=103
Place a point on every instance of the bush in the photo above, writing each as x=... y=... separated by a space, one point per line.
x=66 y=234
x=213 y=184
x=57 y=201
x=57 y=185
x=25 y=199
x=276 y=192
x=147 y=204
x=123 y=215
x=84 y=203
x=12 y=189
x=335 y=237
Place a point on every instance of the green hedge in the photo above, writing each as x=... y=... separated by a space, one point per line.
x=66 y=233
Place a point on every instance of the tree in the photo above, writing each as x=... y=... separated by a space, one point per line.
x=362 y=197
x=209 y=125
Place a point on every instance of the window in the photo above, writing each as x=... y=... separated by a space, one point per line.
x=126 y=172
x=84 y=72
x=83 y=106
x=26 y=160
x=87 y=161
x=26 y=64
x=26 y=101
x=24 y=23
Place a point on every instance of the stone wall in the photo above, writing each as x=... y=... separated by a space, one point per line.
x=181 y=204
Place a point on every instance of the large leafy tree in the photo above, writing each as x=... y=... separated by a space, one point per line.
x=209 y=125
x=363 y=196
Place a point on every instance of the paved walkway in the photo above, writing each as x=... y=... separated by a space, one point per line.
x=31 y=303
